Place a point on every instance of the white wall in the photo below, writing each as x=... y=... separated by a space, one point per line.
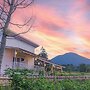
x=12 y=42
x=9 y=53
x=7 y=59
x=30 y=62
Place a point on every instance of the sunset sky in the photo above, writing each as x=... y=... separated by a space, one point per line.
x=60 y=26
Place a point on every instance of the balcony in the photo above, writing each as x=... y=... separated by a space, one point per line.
x=20 y=65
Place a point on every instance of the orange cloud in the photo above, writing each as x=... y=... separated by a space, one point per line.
x=57 y=33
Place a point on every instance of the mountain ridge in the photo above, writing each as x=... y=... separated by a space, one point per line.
x=70 y=58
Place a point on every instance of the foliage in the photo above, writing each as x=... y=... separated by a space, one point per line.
x=48 y=67
x=22 y=81
x=80 y=68
x=75 y=85
x=19 y=78
x=41 y=73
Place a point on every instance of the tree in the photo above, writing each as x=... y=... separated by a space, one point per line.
x=43 y=53
x=88 y=68
x=7 y=9
x=69 y=67
x=82 y=68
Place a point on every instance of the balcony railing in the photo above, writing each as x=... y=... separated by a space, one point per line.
x=20 y=65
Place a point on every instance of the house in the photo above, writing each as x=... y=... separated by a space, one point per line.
x=42 y=62
x=19 y=53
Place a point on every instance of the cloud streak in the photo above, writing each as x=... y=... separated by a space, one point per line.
x=61 y=26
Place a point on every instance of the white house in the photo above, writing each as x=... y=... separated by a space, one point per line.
x=19 y=53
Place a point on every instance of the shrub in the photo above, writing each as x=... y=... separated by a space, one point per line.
x=22 y=81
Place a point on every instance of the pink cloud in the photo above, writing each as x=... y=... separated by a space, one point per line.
x=58 y=34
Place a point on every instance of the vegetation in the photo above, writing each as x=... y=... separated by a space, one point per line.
x=22 y=81
x=80 y=68
x=44 y=84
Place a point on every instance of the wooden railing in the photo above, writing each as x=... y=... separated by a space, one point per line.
x=19 y=65
x=49 y=77
x=4 y=81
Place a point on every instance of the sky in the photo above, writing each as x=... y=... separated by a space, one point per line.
x=60 y=26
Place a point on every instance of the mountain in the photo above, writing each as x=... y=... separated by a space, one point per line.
x=70 y=58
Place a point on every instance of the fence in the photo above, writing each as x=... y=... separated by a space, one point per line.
x=5 y=81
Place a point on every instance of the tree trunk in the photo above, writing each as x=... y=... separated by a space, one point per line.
x=2 y=48
x=3 y=40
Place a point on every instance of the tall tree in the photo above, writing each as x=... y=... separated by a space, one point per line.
x=83 y=68
x=7 y=9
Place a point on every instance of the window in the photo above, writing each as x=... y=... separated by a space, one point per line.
x=18 y=62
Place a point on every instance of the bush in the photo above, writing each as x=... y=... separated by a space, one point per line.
x=19 y=78
x=21 y=81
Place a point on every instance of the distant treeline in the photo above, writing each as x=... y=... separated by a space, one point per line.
x=80 y=68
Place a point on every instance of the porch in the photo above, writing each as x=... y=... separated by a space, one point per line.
x=23 y=59
x=17 y=58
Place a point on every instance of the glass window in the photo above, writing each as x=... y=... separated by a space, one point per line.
x=18 y=59
x=22 y=59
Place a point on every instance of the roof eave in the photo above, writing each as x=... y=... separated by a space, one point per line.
x=27 y=41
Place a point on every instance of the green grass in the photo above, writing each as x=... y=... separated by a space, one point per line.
x=46 y=84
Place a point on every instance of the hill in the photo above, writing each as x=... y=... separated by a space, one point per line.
x=70 y=58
